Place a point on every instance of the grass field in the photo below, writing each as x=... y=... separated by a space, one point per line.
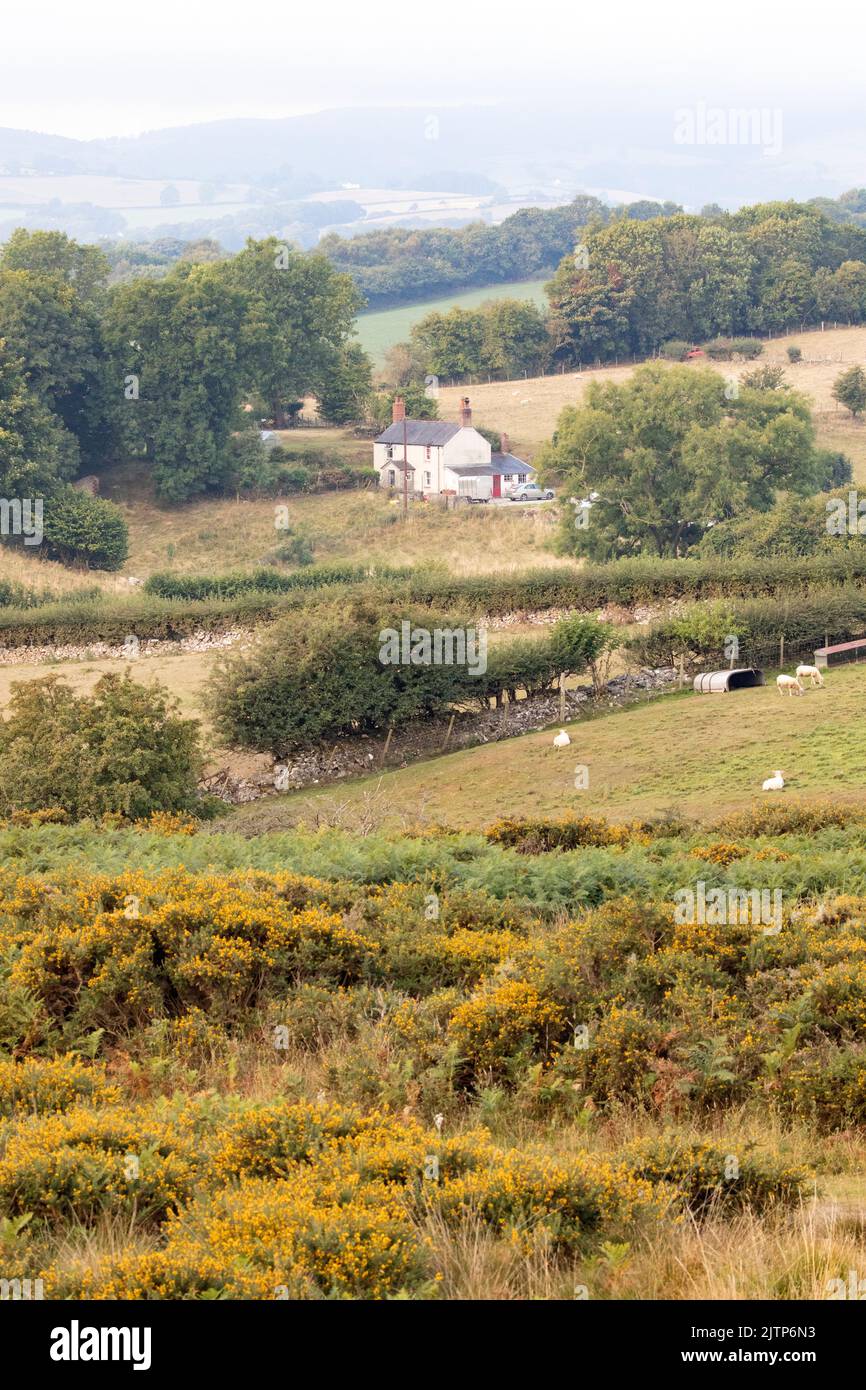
x=529 y=409
x=382 y=328
x=213 y=536
x=699 y=755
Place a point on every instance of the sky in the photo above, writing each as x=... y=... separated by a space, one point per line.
x=99 y=68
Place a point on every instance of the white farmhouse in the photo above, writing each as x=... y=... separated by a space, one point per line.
x=444 y=459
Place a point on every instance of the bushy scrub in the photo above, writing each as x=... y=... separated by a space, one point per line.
x=84 y=530
x=354 y=668
x=124 y=749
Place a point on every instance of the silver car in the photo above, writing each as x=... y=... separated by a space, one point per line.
x=531 y=492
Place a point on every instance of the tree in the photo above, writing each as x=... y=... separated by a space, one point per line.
x=849 y=389
x=58 y=339
x=123 y=750
x=177 y=342
x=299 y=319
x=419 y=405
x=36 y=452
x=450 y=344
x=668 y=456
x=344 y=396
x=83 y=268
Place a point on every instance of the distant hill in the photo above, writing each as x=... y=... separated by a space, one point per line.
x=516 y=145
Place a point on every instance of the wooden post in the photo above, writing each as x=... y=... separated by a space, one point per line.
x=681 y=664
x=781 y=651
x=506 y=705
x=448 y=734
x=562 y=697
x=387 y=744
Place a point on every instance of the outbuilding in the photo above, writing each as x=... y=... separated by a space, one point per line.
x=720 y=682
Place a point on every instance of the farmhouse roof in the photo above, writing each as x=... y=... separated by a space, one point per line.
x=419 y=432
x=510 y=463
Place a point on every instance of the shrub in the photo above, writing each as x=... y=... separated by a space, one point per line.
x=307 y=681
x=723 y=349
x=795 y=354
x=501 y=1024
x=38 y=1085
x=124 y=749
x=675 y=349
x=84 y=1161
x=81 y=529
x=705 y=1175
x=297 y=551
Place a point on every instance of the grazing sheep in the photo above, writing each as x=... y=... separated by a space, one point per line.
x=787 y=685
x=810 y=673
x=774 y=783
x=562 y=740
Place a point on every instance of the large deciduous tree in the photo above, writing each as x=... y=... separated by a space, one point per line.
x=665 y=455
x=299 y=318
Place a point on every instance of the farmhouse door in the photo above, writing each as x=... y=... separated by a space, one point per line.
x=497 y=485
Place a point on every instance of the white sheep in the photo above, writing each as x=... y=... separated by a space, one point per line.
x=787 y=685
x=562 y=740
x=810 y=673
x=774 y=783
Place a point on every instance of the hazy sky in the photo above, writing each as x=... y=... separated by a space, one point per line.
x=99 y=67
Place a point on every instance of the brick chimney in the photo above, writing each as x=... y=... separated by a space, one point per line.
x=398 y=410
x=465 y=411
x=506 y=443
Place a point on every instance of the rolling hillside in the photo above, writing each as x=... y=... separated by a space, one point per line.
x=529 y=409
x=381 y=329
x=699 y=755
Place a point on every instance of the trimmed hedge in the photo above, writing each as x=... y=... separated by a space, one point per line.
x=636 y=581
x=803 y=619
x=177 y=605
x=191 y=587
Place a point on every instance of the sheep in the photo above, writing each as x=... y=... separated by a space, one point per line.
x=774 y=783
x=811 y=673
x=787 y=685
x=562 y=740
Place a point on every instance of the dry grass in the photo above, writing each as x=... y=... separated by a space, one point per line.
x=528 y=409
x=364 y=527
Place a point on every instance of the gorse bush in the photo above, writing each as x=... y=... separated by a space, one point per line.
x=123 y=750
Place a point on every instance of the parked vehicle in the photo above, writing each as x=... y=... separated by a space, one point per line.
x=531 y=492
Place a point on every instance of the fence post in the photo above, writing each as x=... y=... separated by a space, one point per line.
x=387 y=744
x=448 y=734
x=562 y=696
x=781 y=651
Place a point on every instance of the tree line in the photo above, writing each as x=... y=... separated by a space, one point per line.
x=161 y=368
x=630 y=285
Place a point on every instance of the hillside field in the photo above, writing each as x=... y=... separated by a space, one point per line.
x=698 y=755
x=382 y=328
x=529 y=409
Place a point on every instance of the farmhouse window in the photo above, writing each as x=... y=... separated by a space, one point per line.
x=427 y=480
x=392 y=477
x=428 y=452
